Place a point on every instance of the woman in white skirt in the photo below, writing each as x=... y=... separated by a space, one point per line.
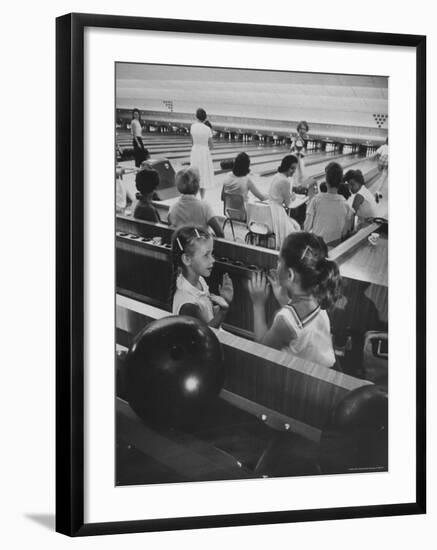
x=201 y=159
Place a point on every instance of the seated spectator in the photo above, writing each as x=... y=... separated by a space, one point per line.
x=328 y=214
x=362 y=200
x=146 y=182
x=188 y=209
x=280 y=188
x=238 y=181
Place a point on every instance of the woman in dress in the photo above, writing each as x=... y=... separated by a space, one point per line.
x=201 y=159
x=280 y=195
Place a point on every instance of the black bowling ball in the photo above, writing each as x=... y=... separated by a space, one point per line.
x=356 y=438
x=174 y=371
x=365 y=408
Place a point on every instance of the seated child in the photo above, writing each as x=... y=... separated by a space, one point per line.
x=188 y=209
x=328 y=214
x=192 y=263
x=306 y=284
x=146 y=181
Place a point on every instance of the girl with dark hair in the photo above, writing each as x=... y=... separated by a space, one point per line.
x=201 y=136
x=193 y=261
x=280 y=196
x=140 y=152
x=306 y=284
x=239 y=182
x=146 y=182
x=362 y=200
x=280 y=187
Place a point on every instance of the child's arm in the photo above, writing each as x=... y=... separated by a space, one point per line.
x=279 y=293
x=194 y=311
x=259 y=292
x=279 y=334
x=220 y=307
x=222 y=302
x=358 y=201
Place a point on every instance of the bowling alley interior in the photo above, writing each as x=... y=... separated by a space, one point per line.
x=251 y=242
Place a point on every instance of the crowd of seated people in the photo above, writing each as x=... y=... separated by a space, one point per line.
x=342 y=204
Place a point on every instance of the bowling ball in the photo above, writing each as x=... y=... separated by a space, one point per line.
x=363 y=408
x=356 y=439
x=174 y=371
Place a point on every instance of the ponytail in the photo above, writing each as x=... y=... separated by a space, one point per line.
x=307 y=254
x=329 y=287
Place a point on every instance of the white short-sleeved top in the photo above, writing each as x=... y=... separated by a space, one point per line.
x=135 y=128
x=310 y=337
x=186 y=293
x=200 y=133
x=280 y=189
x=368 y=207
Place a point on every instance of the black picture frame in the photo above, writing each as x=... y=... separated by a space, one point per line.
x=70 y=272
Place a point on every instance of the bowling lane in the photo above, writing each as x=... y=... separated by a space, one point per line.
x=181 y=146
x=275 y=155
x=187 y=146
x=223 y=153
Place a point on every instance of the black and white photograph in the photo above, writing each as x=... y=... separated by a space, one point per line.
x=251 y=269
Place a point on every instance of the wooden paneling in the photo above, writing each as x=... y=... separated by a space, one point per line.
x=296 y=389
x=144 y=268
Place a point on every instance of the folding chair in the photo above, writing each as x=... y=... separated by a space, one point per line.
x=260 y=225
x=375 y=357
x=234 y=210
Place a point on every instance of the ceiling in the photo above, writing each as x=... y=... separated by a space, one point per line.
x=319 y=98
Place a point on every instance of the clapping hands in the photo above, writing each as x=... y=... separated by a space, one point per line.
x=279 y=292
x=259 y=288
x=226 y=289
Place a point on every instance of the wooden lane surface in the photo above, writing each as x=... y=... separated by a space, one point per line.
x=360 y=260
x=369 y=263
x=262 y=380
x=191 y=458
